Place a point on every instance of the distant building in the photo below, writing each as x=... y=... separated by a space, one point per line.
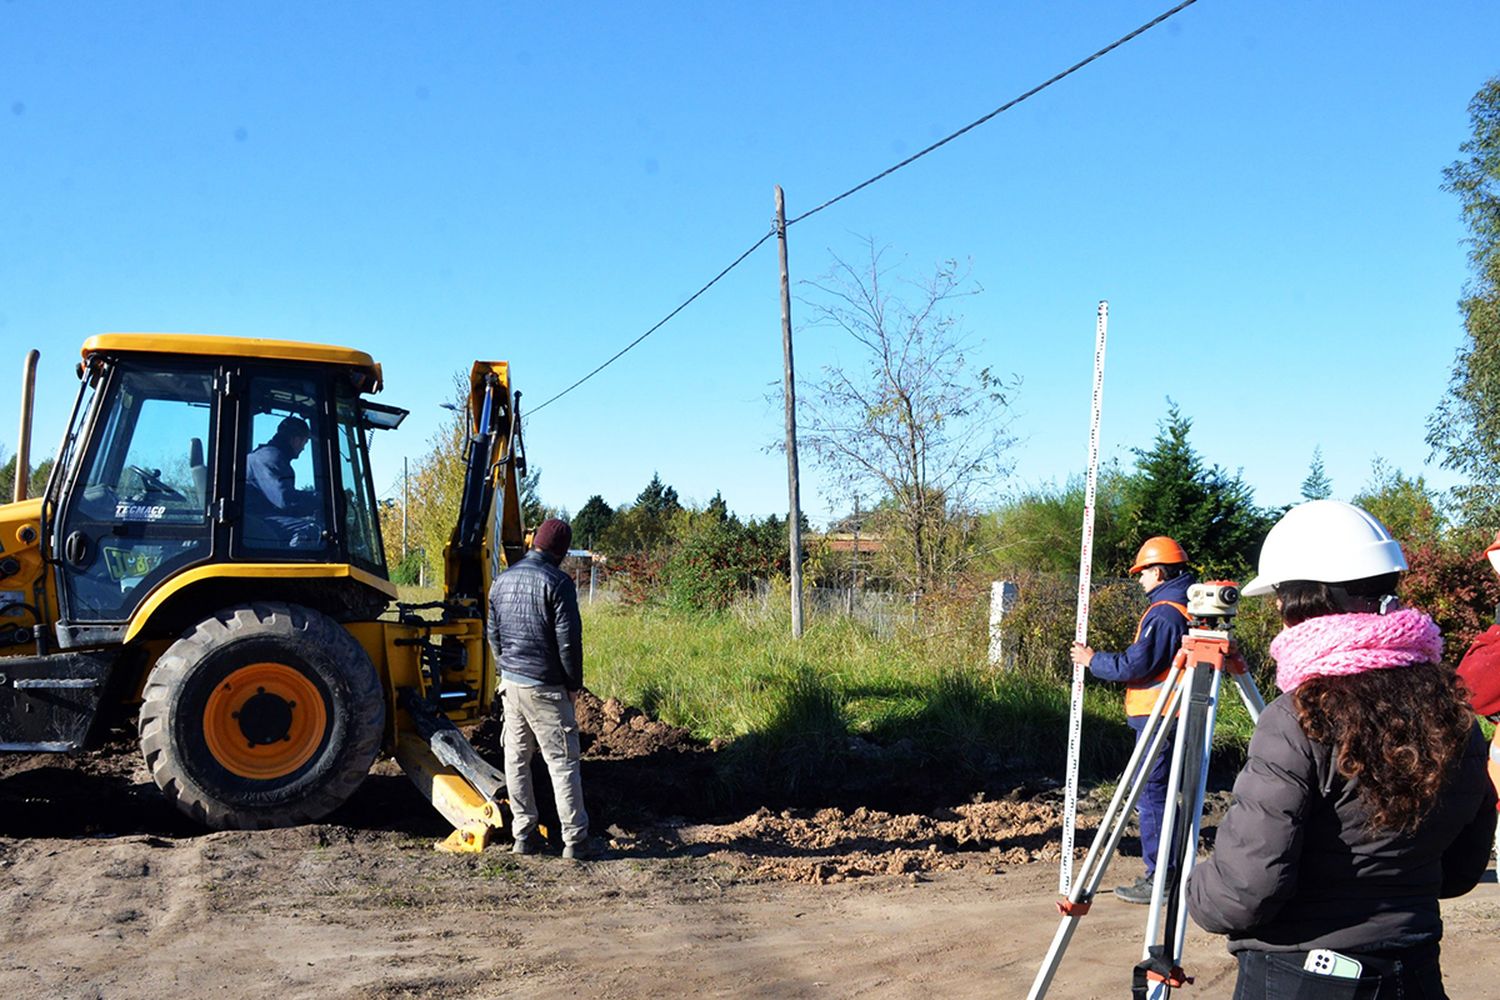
x=844 y=541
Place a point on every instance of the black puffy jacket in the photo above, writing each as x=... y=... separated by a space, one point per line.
x=1295 y=866
x=534 y=628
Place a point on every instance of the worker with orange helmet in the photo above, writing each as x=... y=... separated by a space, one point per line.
x=1143 y=667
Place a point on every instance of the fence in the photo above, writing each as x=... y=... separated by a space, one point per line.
x=881 y=612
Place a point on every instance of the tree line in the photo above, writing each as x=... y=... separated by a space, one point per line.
x=908 y=423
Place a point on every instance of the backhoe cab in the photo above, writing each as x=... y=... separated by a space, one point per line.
x=208 y=552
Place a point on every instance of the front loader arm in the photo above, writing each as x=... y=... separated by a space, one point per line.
x=485 y=535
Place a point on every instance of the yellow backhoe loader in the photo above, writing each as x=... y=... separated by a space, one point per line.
x=207 y=554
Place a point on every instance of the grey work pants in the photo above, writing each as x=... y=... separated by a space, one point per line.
x=542 y=718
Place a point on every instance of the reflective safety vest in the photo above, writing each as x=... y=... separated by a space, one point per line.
x=1141 y=695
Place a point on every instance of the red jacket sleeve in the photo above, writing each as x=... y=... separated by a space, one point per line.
x=1480 y=672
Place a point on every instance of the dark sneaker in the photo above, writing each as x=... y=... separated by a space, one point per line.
x=1138 y=891
x=525 y=845
x=585 y=850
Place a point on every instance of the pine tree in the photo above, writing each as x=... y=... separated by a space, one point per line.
x=1317 y=485
x=718 y=509
x=1209 y=511
x=645 y=526
x=658 y=500
x=592 y=521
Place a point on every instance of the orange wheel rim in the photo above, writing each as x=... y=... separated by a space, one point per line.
x=264 y=721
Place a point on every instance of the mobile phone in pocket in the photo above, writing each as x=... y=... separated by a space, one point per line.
x=1330 y=963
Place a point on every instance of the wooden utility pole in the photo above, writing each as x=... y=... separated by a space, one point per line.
x=854 y=572
x=794 y=526
x=405 y=503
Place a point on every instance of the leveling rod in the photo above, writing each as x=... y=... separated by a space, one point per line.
x=1081 y=624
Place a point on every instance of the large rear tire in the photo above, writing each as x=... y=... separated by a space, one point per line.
x=264 y=715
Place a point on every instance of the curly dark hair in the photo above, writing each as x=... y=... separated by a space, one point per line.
x=1401 y=732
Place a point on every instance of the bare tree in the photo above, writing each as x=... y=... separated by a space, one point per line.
x=910 y=419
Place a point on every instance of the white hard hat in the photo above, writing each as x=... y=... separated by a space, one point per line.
x=1327 y=541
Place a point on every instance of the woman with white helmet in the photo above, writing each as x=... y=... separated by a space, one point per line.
x=1364 y=797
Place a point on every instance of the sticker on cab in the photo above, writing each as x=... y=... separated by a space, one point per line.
x=126 y=564
x=125 y=511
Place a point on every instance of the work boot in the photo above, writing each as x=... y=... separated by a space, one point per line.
x=523 y=845
x=1138 y=891
x=584 y=850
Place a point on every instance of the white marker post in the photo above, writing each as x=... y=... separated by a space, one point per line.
x=1081 y=625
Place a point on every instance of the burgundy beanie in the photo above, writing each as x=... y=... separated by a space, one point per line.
x=553 y=536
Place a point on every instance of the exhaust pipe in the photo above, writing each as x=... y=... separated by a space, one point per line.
x=23 y=445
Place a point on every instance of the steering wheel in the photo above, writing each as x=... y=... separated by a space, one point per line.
x=152 y=483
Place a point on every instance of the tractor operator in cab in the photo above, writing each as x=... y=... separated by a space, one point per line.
x=1143 y=666
x=537 y=637
x=271 y=487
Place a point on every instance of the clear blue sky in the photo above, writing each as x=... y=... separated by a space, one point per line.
x=1254 y=186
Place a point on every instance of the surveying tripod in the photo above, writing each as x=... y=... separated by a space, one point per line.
x=1191 y=693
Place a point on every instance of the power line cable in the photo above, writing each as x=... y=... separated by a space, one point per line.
x=864 y=184
x=660 y=323
x=998 y=111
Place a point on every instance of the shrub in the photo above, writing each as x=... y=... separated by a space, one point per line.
x=637 y=577
x=711 y=566
x=1456 y=587
x=1042 y=623
x=408 y=572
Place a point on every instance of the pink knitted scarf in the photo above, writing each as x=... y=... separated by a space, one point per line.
x=1340 y=645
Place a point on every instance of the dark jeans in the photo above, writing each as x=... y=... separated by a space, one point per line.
x=1410 y=975
x=1153 y=800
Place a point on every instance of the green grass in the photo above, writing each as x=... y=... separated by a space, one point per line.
x=794 y=705
x=844 y=706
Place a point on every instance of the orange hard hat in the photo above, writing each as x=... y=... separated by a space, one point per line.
x=1158 y=551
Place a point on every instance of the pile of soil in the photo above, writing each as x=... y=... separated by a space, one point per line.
x=635 y=768
x=607 y=728
x=617 y=730
x=833 y=845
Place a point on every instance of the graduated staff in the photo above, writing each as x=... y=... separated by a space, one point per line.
x=1143 y=667
x=1363 y=799
x=537 y=637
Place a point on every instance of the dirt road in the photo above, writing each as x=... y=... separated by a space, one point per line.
x=105 y=892
x=365 y=908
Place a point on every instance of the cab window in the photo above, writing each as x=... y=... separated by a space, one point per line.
x=361 y=523
x=284 y=487
x=139 y=509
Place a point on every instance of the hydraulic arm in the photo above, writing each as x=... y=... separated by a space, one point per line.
x=488 y=534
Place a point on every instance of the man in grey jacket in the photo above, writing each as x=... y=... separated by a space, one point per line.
x=537 y=637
